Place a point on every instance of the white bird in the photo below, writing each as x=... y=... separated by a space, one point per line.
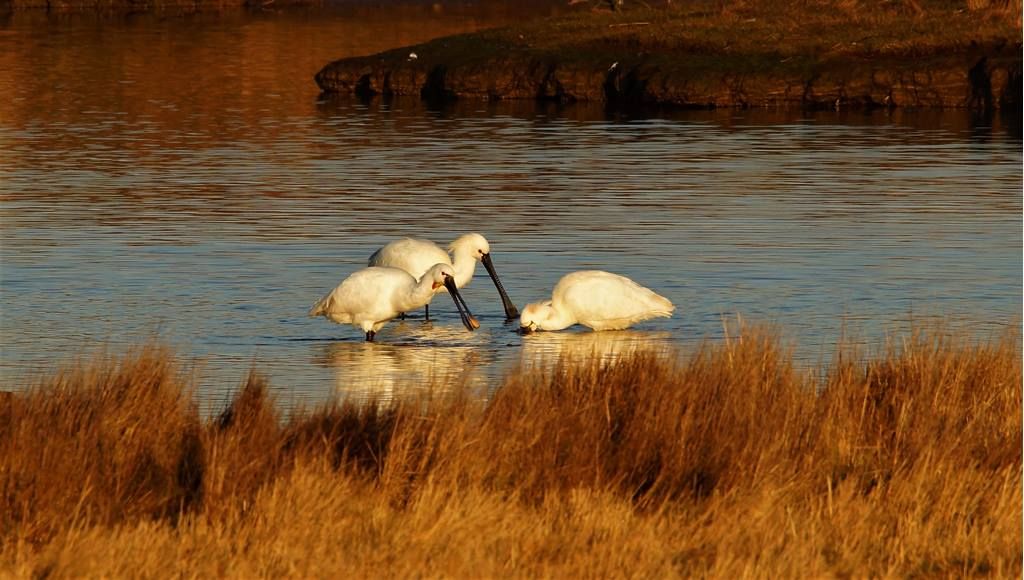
x=416 y=255
x=599 y=300
x=370 y=297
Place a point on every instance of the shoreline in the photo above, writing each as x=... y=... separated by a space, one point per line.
x=661 y=57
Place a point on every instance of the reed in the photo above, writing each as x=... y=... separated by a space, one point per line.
x=726 y=462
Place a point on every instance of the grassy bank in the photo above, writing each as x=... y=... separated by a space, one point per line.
x=725 y=463
x=916 y=53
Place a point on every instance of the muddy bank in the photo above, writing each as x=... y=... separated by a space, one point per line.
x=977 y=77
x=144 y=6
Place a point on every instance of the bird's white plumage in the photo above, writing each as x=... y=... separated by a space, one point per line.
x=416 y=256
x=413 y=255
x=596 y=299
x=370 y=297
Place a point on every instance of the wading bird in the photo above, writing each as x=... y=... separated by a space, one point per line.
x=415 y=256
x=370 y=297
x=599 y=300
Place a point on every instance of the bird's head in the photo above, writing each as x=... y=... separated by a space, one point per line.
x=534 y=316
x=444 y=275
x=473 y=244
x=440 y=274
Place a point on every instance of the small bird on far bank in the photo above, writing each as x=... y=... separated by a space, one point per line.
x=596 y=299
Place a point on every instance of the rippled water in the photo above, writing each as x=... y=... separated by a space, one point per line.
x=183 y=179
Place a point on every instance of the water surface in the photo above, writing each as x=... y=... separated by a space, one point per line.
x=183 y=179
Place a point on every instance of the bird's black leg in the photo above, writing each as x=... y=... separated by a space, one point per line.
x=369 y=335
x=426 y=312
x=401 y=316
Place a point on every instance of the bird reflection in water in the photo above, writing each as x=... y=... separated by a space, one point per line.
x=544 y=349
x=426 y=360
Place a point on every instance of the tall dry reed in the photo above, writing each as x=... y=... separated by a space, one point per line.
x=725 y=462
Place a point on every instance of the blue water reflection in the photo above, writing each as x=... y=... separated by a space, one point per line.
x=214 y=224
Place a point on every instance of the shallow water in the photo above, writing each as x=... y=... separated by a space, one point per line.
x=183 y=179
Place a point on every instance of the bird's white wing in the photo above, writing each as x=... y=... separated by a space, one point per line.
x=413 y=255
x=603 y=300
x=369 y=293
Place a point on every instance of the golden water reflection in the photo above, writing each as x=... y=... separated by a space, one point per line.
x=420 y=359
x=181 y=74
x=412 y=359
x=542 y=349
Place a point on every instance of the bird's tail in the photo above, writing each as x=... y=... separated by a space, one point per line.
x=663 y=306
x=321 y=306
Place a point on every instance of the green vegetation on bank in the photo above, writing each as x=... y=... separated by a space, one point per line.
x=726 y=463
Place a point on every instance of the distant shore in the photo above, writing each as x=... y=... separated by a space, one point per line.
x=117 y=8
x=142 y=6
x=761 y=55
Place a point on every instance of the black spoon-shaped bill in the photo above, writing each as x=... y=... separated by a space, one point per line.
x=460 y=304
x=511 y=312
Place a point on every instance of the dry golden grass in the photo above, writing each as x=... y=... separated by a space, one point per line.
x=724 y=463
x=765 y=30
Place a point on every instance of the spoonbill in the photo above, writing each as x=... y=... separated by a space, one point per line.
x=416 y=255
x=597 y=299
x=370 y=297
